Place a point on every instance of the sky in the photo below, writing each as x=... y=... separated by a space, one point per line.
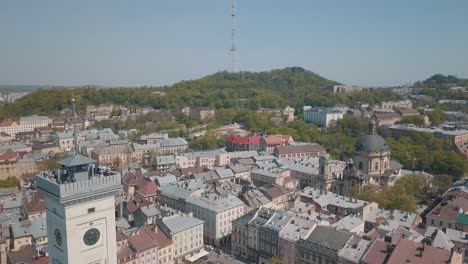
x=153 y=42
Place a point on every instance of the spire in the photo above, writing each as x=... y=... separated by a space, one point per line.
x=372 y=127
x=75 y=135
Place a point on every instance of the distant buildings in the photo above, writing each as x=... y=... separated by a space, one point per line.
x=453 y=101
x=197 y=113
x=101 y=112
x=240 y=143
x=268 y=143
x=9 y=128
x=385 y=118
x=345 y=89
x=12 y=97
x=209 y=159
x=322 y=116
x=390 y=105
x=287 y=112
x=299 y=151
x=459 y=138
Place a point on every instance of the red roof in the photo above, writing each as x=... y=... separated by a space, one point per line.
x=161 y=239
x=22 y=153
x=8 y=155
x=147 y=188
x=27 y=254
x=7 y=123
x=136 y=203
x=377 y=253
x=407 y=251
x=36 y=205
x=147 y=238
x=312 y=148
x=236 y=139
x=277 y=139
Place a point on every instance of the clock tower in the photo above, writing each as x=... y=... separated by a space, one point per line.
x=80 y=208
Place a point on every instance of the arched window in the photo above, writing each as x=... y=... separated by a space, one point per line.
x=360 y=165
x=385 y=165
x=377 y=165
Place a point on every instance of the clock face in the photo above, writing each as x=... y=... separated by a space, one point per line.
x=58 y=237
x=91 y=236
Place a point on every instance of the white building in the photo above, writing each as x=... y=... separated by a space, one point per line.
x=80 y=212
x=210 y=159
x=407 y=104
x=29 y=123
x=322 y=116
x=65 y=140
x=25 y=124
x=217 y=213
x=186 y=233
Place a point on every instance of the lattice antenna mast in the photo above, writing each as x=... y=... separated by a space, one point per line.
x=233 y=49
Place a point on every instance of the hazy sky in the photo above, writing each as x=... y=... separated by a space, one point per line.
x=152 y=42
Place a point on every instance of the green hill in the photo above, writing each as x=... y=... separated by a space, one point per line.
x=293 y=86
x=441 y=81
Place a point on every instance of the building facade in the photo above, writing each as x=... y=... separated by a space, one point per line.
x=80 y=212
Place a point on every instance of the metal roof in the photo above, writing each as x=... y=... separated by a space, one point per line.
x=76 y=160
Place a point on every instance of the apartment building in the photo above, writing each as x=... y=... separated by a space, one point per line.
x=217 y=212
x=186 y=233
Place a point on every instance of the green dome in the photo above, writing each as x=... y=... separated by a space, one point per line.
x=371 y=143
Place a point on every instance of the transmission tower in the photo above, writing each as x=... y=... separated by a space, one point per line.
x=233 y=50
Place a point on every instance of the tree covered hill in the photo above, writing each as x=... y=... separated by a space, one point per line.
x=441 y=81
x=292 y=86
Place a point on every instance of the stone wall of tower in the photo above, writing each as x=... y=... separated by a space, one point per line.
x=73 y=221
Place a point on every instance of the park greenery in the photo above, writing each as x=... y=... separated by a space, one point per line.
x=440 y=81
x=415 y=120
x=9 y=182
x=406 y=193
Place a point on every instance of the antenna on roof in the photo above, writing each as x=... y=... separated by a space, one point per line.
x=233 y=49
x=75 y=135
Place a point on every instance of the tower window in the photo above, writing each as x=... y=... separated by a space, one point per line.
x=91 y=210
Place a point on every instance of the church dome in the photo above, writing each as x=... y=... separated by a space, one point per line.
x=371 y=143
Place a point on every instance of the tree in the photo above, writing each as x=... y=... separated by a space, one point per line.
x=416 y=120
x=276 y=260
x=49 y=164
x=118 y=164
x=437 y=117
x=9 y=182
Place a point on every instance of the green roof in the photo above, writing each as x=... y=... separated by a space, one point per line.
x=245 y=219
x=462 y=219
x=329 y=237
x=76 y=160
